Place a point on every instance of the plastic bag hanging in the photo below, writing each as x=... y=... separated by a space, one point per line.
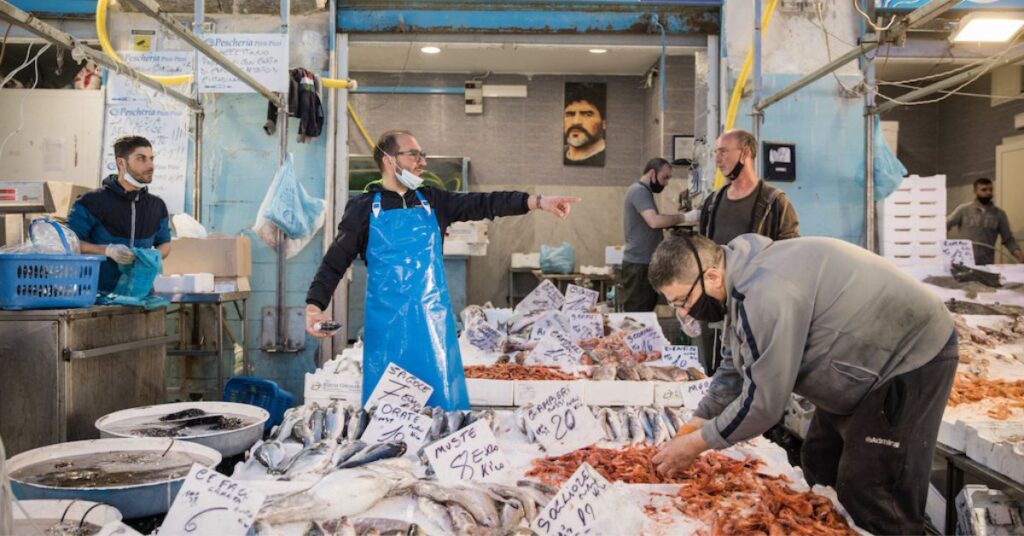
x=288 y=207
x=889 y=171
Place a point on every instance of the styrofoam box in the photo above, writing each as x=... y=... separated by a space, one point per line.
x=618 y=393
x=668 y=394
x=533 y=391
x=490 y=392
x=526 y=260
x=985 y=444
x=467 y=231
x=613 y=254
x=457 y=247
x=184 y=284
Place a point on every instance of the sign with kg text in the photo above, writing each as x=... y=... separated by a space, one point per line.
x=211 y=503
x=400 y=388
x=471 y=453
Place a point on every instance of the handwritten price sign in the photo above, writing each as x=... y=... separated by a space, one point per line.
x=575 y=508
x=556 y=348
x=693 y=392
x=681 y=356
x=562 y=423
x=578 y=298
x=646 y=340
x=472 y=454
x=586 y=326
x=395 y=423
x=210 y=503
x=399 y=387
x=545 y=297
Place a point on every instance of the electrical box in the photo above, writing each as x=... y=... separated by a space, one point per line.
x=779 y=161
x=474 y=97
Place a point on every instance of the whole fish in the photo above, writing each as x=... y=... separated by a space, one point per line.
x=454 y=421
x=291 y=417
x=477 y=504
x=427 y=411
x=313 y=459
x=666 y=422
x=384 y=526
x=619 y=430
x=436 y=513
x=462 y=520
x=346 y=450
x=646 y=422
x=270 y=454
x=676 y=418
x=332 y=421
x=662 y=374
x=302 y=433
x=628 y=372
x=602 y=418
x=604 y=372
x=512 y=513
x=381 y=451
x=519 y=416
x=313 y=529
x=645 y=372
x=316 y=422
x=340 y=527
x=438 y=425
x=357 y=424
x=341 y=493
x=539 y=486
x=661 y=433
x=522 y=499
x=637 y=433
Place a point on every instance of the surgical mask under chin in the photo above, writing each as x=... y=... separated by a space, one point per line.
x=131 y=180
x=410 y=181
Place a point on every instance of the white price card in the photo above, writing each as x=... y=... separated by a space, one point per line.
x=586 y=326
x=578 y=298
x=646 y=340
x=556 y=348
x=958 y=252
x=471 y=453
x=683 y=357
x=562 y=423
x=399 y=387
x=545 y=297
x=484 y=336
x=548 y=322
x=211 y=503
x=395 y=423
x=693 y=392
x=574 y=509
x=263 y=56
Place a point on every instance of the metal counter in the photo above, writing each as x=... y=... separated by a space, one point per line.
x=64 y=368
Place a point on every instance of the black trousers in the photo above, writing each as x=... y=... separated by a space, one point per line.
x=879 y=458
x=637 y=293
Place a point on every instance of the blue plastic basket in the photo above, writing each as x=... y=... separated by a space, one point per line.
x=48 y=281
x=259 y=392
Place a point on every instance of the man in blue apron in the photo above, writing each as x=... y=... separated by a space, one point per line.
x=397 y=227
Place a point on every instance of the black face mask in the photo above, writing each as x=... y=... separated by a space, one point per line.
x=984 y=200
x=655 y=186
x=737 y=169
x=706 y=308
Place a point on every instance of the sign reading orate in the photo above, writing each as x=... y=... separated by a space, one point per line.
x=562 y=423
x=545 y=297
x=573 y=510
x=683 y=357
x=586 y=325
x=211 y=503
x=399 y=387
x=556 y=348
x=471 y=453
x=693 y=392
x=646 y=340
x=578 y=298
x=395 y=423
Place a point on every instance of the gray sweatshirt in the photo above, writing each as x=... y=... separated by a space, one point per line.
x=818 y=317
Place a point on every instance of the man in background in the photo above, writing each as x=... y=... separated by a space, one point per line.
x=981 y=221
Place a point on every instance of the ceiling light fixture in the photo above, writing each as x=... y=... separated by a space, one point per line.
x=598 y=50
x=978 y=27
x=430 y=50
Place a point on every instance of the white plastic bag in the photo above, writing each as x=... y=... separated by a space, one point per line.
x=288 y=207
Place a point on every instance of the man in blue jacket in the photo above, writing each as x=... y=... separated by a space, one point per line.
x=869 y=346
x=122 y=214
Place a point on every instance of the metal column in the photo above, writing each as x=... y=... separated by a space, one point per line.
x=197 y=141
x=758 y=115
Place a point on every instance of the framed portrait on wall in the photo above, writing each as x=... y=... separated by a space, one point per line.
x=584 y=123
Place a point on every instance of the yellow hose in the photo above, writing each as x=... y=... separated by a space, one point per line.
x=359 y=125
x=741 y=82
x=101 y=31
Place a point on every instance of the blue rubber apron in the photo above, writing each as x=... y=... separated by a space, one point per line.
x=409 y=320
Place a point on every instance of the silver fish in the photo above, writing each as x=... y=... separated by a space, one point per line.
x=357 y=424
x=345 y=451
x=489 y=416
x=291 y=417
x=602 y=418
x=522 y=499
x=436 y=513
x=667 y=422
x=312 y=459
x=385 y=526
x=316 y=422
x=427 y=411
x=270 y=454
x=455 y=420
x=381 y=451
x=676 y=417
x=302 y=433
x=332 y=424
x=519 y=416
x=438 y=425
x=661 y=433
x=346 y=414
x=619 y=430
x=537 y=485
x=646 y=422
x=313 y=529
x=637 y=434
x=512 y=513
x=479 y=505
x=462 y=521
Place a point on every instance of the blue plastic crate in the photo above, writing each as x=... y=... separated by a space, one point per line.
x=48 y=281
x=259 y=392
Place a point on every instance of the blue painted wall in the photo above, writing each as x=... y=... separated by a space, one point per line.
x=239 y=163
x=828 y=131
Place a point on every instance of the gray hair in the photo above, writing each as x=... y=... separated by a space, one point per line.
x=674 y=262
x=745 y=139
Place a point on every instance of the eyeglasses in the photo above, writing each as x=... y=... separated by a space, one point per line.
x=686 y=298
x=414 y=153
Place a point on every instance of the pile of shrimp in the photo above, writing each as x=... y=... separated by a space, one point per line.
x=968 y=388
x=728 y=495
x=613 y=349
x=514 y=371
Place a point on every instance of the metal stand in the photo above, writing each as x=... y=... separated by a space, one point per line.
x=958 y=468
x=190 y=342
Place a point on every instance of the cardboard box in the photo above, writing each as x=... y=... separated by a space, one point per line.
x=61 y=196
x=618 y=393
x=490 y=392
x=220 y=255
x=534 y=391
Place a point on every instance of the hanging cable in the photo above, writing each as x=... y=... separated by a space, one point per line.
x=877 y=28
x=35 y=82
x=828 y=51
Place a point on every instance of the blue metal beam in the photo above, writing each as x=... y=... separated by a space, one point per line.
x=56 y=7
x=690 y=21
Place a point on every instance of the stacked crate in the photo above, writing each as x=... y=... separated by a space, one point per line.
x=912 y=221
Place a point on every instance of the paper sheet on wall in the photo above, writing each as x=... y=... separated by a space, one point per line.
x=135 y=109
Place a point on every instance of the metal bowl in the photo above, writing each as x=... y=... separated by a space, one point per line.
x=226 y=442
x=133 y=501
x=51 y=511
